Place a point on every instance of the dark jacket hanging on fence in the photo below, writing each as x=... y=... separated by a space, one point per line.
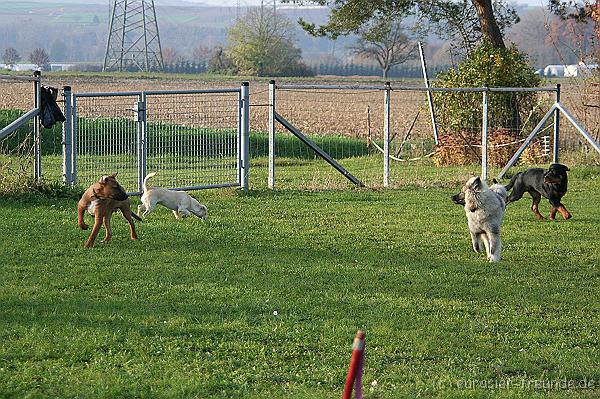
x=51 y=112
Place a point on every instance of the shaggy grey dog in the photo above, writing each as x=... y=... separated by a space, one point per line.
x=484 y=207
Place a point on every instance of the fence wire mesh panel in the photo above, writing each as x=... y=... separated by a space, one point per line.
x=106 y=138
x=582 y=99
x=18 y=149
x=349 y=123
x=511 y=117
x=342 y=121
x=411 y=135
x=192 y=139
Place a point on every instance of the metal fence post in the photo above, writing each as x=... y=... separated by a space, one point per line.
x=74 y=138
x=386 y=135
x=271 y=178
x=429 y=95
x=556 y=127
x=484 y=135
x=140 y=110
x=244 y=135
x=37 y=139
x=67 y=136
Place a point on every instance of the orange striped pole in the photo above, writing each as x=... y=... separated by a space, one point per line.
x=356 y=361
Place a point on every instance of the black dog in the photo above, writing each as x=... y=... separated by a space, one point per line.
x=551 y=184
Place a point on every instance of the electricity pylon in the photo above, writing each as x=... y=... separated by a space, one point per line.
x=133 y=40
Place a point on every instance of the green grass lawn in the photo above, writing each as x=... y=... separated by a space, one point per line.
x=264 y=298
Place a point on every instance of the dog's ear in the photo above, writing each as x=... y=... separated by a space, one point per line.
x=477 y=182
x=494 y=180
x=103 y=179
x=114 y=175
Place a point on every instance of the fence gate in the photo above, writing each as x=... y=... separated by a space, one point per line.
x=193 y=139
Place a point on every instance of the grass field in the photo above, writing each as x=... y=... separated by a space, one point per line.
x=263 y=299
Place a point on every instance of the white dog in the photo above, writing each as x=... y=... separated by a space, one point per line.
x=484 y=207
x=181 y=203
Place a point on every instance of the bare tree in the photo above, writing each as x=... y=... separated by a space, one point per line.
x=201 y=53
x=11 y=57
x=39 y=57
x=171 y=56
x=384 y=41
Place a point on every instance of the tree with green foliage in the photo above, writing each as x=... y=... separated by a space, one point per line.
x=348 y=16
x=219 y=63
x=10 y=57
x=261 y=44
x=491 y=66
x=458 y=22
x=579 y=10
x=385 y=41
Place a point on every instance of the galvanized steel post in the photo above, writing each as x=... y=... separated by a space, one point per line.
x=74 y=138
x=271 y=178
x=37 y=138
x=429 y=95
x=484 y=136
x=244 y=135
x=67 y=136
x=556 y=140
x=386 y=135
x=140 y=111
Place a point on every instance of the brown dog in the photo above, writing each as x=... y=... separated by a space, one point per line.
x=101 y=199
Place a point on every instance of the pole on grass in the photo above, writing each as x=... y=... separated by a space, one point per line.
x=271 y=178
x=355 y=369
x=37 y=138
x=386 y=135
x=244 y=135
x=484 y=135
x=67 y=135
x=429 y=96
x=556 y=127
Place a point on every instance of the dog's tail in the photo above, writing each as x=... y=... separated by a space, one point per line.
x=148 y=176
x=512 y=181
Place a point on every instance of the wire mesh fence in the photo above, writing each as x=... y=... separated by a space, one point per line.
x=349 y=123
x=193 y=139
x=511 y=116
x=342 y=121
x=584 y=102
x=190 y=138
x=17 y=148
x=105 y=138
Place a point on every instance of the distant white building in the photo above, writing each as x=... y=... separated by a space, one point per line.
x=62 y=67
x=33 y=67
x=20 y=67
x=554 y=70
x=580 y=70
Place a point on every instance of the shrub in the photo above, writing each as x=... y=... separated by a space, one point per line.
x=495 y=67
